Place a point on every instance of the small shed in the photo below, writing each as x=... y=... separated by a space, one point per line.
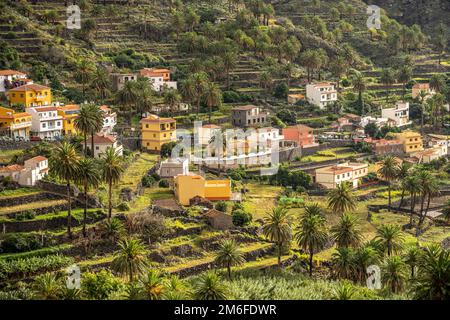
x=219 y=220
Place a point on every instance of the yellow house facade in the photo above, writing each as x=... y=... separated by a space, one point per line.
x=187 y=187
x=15 y=124
x=30 y=95
x=157 y=131
x=412 y=141
x=69 y=114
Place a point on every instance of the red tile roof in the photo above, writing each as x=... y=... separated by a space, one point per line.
x=38 y=159
x=247 y=107
x=11 y=168
x=103 y=139
x=11 y=73
x=29 y=87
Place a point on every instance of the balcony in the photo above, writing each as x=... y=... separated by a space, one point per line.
x=20 y=125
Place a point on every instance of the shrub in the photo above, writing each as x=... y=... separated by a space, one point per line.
x=124 y=206
x=148 y=181
x=163 y=183
x=241 y=218
x=221 y=206
x=25 y=215
x=100 y=285
x=19 y=242
x=151 y=227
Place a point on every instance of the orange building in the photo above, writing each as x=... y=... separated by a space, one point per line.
x=301 y=134
x=189 y=186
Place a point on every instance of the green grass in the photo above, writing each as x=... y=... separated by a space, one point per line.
x=7 y=155
x=31 y=206
x=18 y=192
x=260 y=199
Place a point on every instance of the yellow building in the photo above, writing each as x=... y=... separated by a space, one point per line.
x=69 y=113
x=15 y=124
x=30 y=95
x=187 y=187
x=157 y=131
x=412 y=141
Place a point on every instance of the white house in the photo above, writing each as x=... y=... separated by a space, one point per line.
x=32 y=171
x=45 y=123
x=173 y=167
x=109 y=119
x=400 y=114
x=159 y=78
x=439 y=140
x=331 y=176
x=104 y=141
x=7 y=78
x=206 y=132
x=321 y=94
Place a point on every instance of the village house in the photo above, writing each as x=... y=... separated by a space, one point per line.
x=321 y=94
x=387 y=147
x=347 y=123
x=418 y=87
x=172 y=167
x=331 y=176
x=46 y=123
x=412 y=141
x=15 y=124
x=11 y=79
x=438 y=140
x=379 y=122
x=69 y=113
x=400 y=114
x=249 y=116
x=27 y=174
x=30 y=95
x=109 y=119
x=118 y=80
x=301 y=134
x=104 y=141
x=157 y=131
x=159 y=78
x=219 y=220
x=293 y=98
x=189 y=186
x=430 y=154
x=206 y=132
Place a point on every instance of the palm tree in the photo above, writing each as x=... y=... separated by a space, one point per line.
x=88 y=176
x=199 y=81
x=64 y=164
x=277 y=228
x=96 y=123
x=428 y=187
x=172 y=98
x=229 y=255
x=343 y=263
x=209 y=286
x=130 y=259
x=388 y=171
x=412 y=185
x=312 y=235
x=187 y=90
x=446 y=211
x=341 y=199
x=363 y=258
x=213 y=97
x=346 y=291
x=153 y=285
x=437 y=83
x=47 y=287
x=411 y=258
x=112 y=229
x=359 y=84
x=387 y=77
x=128 y=97
x=434 y=277
x=84 y=123
x=432 y=190
x=229 y=59
x=390 y=238
x=83 y=73
x=422 y=96
x=404 y=76
x=345 y=233
x=112 y=169
x=402 y=173
x=101 y=84
x=394 y=274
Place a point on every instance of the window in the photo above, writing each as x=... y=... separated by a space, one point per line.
x=97 y=148
x=154 y=135
x=44 y=125
x=146 y=126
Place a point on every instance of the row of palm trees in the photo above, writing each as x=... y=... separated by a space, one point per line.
x=421 y=185
x=72 y=168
